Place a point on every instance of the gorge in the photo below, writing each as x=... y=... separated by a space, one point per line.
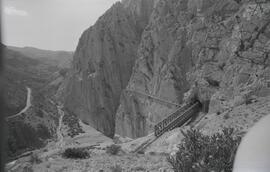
x=204 y=63
x=174 y=50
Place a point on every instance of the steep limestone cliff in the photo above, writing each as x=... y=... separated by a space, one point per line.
x=103 y=63
x=219 y=50
x=236 y=73
x=143 y=58
x=233 y=66
x=164 y=57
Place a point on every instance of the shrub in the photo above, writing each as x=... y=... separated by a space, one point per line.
x=138 y=168
x=199 y=152
x=116 y=168
x=212 y=82
x=141 y=152
x=27 y=169
x=226 y=116
x=113 y=149
x=63 y=72
x=76 y=153
x=34 y=159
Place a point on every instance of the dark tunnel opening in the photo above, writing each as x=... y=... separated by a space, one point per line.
x=204 y=104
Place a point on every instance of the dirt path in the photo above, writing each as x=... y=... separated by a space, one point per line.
x=27 y=106
x=60 y=142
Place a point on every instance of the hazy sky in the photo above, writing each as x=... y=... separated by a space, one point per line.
x=49 y=24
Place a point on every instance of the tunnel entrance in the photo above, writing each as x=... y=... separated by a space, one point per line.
x=205 y=106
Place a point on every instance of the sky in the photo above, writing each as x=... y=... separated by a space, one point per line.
x=49 y=24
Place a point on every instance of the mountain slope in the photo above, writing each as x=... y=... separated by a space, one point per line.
x=103 y=63
x=37 y=124
x=18 y=71
x=213 y=51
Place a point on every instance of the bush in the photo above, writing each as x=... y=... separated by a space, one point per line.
x=113 y=149
x=116 y=168
x=76 y=153
x=63 y=72
x=138 y=168
x=34 y=159
x=199 y=152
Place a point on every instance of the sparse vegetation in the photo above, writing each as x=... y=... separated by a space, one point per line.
x=226 y=116
x=34 y=159
x=238 y=1
x=29 y=138
x=116 y=168
x=76 y=153
x=71 y=120
x=212 y=82
x=249 y=101
x=27 y=169
x=63 y=72
x=138 y=168
x=199 y=152
x=113 y=149
x=141 y=152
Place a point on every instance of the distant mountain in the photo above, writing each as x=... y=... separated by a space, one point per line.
x=60 y=58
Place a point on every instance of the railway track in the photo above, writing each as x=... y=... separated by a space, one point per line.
x=174 y=120
x=177 y=118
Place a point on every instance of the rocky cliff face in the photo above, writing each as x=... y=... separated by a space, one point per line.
x=103 y=63
x=215 y=51
x=233 y=66
x=164 y=57
x=168 y=52
x=218 y=49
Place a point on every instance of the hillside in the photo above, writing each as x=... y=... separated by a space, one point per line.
x=19 y=71
x=60 y=59
x=32 y=128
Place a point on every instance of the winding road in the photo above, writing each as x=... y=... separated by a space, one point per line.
x=27 y=106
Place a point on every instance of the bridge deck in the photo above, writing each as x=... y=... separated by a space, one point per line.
x=175 y=119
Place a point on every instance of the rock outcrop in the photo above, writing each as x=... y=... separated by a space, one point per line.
x=103 y=62
x=215 y=51
x=233 y=67
x=164 y=58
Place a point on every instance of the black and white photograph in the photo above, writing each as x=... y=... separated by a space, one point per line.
x=135 y=86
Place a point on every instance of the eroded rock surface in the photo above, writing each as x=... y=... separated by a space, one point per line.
x=235 y=69
x=164 y=58
x=215 y=51
x=103 y=63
